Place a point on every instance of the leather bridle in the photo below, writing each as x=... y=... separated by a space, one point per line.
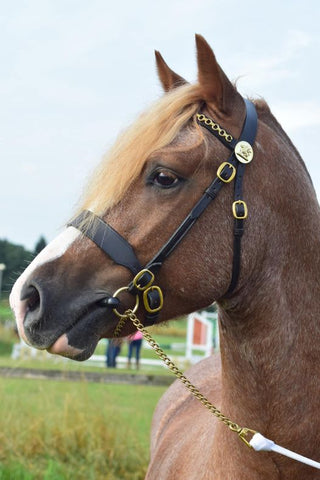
x=122 y=253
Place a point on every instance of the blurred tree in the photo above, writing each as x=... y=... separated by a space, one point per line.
x=40 y=245
x=16 y=259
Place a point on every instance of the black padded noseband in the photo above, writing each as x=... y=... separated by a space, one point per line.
x=110 y=241
x=122 y=253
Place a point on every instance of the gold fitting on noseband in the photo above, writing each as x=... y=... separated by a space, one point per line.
x=221 y=168
x=134 y=309
x=152 y=295
x=235 y=210
x=146 y=301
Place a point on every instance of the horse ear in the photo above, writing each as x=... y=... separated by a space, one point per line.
x=217 y=88
x=168 y=78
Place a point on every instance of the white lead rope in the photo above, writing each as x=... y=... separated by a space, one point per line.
x=259 y=443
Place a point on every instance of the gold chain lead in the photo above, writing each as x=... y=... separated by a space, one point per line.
x=241 y=431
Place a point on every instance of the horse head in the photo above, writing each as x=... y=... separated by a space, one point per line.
x=145 y=186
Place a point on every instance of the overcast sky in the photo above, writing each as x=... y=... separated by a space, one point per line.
x=73 y=73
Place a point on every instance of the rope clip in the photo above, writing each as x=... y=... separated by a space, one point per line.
x=243 y=433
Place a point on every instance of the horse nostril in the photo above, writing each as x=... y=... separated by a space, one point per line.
x=32 y=296
x=34 y=299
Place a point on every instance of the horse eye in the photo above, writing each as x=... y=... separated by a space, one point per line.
x=165 y=179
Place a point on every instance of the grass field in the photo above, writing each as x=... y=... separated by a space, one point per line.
x=51 y=430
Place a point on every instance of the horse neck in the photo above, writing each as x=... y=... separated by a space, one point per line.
x=270 y=338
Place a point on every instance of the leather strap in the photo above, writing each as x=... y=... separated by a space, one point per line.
x=210 y=194
x=248 y=134
x=110 y=241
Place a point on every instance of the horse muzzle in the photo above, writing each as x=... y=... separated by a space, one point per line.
x=63 y=324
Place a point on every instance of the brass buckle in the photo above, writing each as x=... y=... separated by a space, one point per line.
x=137 y=278
x=219 y=171
x=234 y=209
x=145 y=299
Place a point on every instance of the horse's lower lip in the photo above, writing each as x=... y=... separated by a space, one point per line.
x=61 y=347
x=80 y=338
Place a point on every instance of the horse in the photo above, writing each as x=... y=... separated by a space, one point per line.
x=210 y=225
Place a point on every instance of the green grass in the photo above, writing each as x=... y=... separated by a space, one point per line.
x=62 y=430
x=51 y=430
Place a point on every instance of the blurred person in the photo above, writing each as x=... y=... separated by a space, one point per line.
x=135 y=342
x=113 y=350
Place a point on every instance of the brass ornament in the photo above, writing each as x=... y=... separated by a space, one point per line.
x=214 y=126
x=243 y=151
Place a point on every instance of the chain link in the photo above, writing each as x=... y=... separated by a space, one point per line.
x=120 y=325
x=214 y=126
x=130 y=315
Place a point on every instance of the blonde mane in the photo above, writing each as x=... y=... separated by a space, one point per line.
x=153 y=130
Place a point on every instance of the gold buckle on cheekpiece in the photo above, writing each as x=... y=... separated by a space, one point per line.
x=219 y=171
x=139 y=275
x=234 y=209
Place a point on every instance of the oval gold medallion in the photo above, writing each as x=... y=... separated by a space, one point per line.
x=243 y=151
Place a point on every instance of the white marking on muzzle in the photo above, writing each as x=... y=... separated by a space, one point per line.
x=62 y=347
x=53 y=250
